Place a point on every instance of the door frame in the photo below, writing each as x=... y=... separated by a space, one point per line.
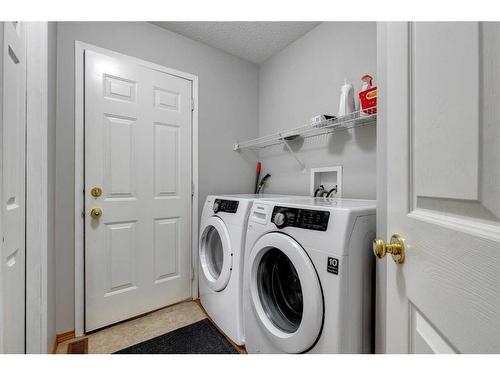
x=37 y=185
x=80 y=48
x=381 y=224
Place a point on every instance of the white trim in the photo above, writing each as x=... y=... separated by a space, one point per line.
x=79 y=186
x=2 y=36
x=194 y=172
x=36 y=186
x=80 y=48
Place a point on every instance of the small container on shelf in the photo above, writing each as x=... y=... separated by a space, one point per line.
x=368 y=100
x=368 y=96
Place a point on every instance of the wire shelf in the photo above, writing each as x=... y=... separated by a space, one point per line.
x=332 y=125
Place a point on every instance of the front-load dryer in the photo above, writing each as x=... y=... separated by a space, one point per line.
x=308 y=276
x=222 y=239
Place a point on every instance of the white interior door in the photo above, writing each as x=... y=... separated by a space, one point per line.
x=138 y=151
x=13 y=187
x=443 y=186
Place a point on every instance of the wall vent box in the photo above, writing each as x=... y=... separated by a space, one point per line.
x=328 y=177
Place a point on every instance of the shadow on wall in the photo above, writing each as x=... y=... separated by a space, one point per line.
x=365 y=137
x=295 y=144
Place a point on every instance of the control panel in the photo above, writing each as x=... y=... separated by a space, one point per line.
x=224 y=205
x=300 y=218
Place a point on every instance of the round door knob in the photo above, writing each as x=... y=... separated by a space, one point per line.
x=216 y=207
x=96 y=213
x=279 y=219
x=396 y=248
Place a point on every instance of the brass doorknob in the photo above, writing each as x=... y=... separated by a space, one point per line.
x=396 y=248
x=96 y=213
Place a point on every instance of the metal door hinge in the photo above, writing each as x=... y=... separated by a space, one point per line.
x=192 y=104
x=192 y=273
x=192 y=190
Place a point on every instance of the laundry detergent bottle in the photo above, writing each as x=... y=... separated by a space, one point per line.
x=347 y=104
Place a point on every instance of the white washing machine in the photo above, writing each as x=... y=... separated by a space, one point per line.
x=222 y=239
x=308 y=276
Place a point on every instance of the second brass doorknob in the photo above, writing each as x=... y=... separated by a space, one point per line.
x=96 y=213
x=396 y=248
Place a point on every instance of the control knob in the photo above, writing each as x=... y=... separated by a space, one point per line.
x=216 y=207
x=280 y=219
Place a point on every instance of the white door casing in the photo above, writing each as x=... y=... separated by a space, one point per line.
x=38 y=223
x=138 y=150
x=442 y=89
x=13 y=190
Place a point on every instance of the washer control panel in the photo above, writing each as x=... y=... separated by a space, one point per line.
x=300 y=218
x=224 y=205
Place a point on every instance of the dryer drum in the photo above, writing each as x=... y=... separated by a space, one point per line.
x=280 y=290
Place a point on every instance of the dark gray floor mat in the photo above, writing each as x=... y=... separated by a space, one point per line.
x=198 y=338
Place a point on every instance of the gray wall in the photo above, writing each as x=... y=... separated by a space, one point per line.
x=304 y=80
x=228 y=107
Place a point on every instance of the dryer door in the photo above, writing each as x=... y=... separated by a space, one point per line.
x=285 y=293
x=216 y=258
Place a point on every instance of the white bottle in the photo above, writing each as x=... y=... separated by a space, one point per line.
x=347 y=104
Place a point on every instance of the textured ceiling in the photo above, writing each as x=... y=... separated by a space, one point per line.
x=252 y=41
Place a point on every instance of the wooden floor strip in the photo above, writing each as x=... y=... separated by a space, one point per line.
x=79 y=347
x=65 y=336
x=61 y=337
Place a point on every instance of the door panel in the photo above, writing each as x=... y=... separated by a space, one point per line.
x=120 y=240
x=424 y=339
x=13 y=188
x=166 y=164
x=138 y=150
x=454 y=116
x=442 y=186
x=119 y=157
x=166 y=249
x=445 y=92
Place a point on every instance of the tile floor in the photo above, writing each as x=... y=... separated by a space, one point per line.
x=122 y=335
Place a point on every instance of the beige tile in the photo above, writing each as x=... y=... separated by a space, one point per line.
x=120 y=336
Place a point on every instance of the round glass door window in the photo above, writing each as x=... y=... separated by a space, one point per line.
x=280 y=290
x=214 y=252
x=285 y=293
